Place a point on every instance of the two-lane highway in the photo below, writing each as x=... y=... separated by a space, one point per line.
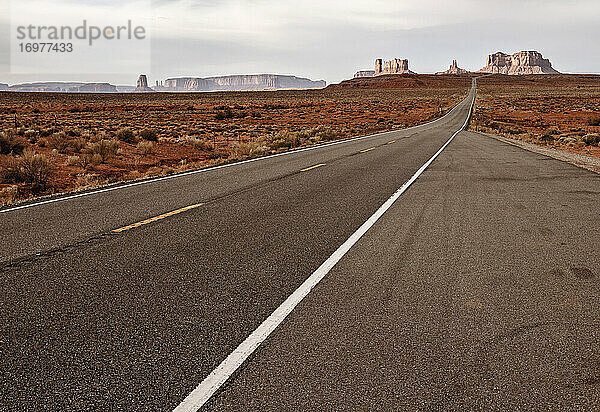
x=478 y=290
x=475 y=286
x=58 y=223
x=137 y=319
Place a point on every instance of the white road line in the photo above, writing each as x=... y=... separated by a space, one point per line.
x=203 y=392
x=208 y=169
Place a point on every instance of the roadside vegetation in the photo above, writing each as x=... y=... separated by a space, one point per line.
x=561 y=112
x=52 y=143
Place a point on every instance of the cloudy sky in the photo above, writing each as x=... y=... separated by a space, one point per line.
x=331 y=39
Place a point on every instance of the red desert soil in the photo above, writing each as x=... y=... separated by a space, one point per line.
x=559 y=111
x=52 y=142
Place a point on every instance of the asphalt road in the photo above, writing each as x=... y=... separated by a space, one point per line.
x=478 y=288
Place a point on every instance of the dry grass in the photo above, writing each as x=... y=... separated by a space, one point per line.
x=200 y=144
x=9 y=194
x=88 y=180
x=555 y=111
x=116 y=137
x=145 y=147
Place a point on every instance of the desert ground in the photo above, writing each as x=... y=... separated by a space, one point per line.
x=53 y=143
x=559 y=111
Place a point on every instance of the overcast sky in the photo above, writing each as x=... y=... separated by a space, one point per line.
x=332 y=39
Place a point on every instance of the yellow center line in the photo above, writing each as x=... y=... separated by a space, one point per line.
x=156 y=218
x=312 y=167
x=391 y=141
x=367 y=150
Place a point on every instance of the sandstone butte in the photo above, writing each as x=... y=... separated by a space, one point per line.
x=454 y=69
x=142 y=84
x=395 y=66
x=524 y=62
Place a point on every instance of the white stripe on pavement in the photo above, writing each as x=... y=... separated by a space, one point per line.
x=203 y=392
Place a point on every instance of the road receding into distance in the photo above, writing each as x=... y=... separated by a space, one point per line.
x=426 y=268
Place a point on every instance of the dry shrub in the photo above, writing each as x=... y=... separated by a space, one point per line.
x=154 y=171
x=104 y=148
x=87 y=180
x=288 y=139
x=72 y=160
x=31 y=168
x=10 y=172
x=36 y=169
x=9 y=194
x=126 y=135
x=31 y=135
x=46 y=132
x=149 y=134
x=145 y=147
x=549 y=135
x=133 y=175
x=592 y=139
x=224 y=114
x=10 y=143
x=321 y=133
x=594 y=121
x=200 y=144
x=167 y=170
x=284 y=139
x=96 y=136
x=59 y=142
x=78 y=144
x=96 y=159
x=243 y=150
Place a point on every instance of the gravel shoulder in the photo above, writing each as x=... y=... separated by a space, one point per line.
x=585 y=162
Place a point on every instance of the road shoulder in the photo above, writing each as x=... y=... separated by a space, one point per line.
x=579 y=160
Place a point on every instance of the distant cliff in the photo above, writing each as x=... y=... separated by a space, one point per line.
x=239 y=82
x=63 y=87
x=524 y=62
x=93 y=88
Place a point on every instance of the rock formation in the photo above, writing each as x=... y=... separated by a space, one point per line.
x=454 y=69
x=64 y=87
x=524 y=62
x=93 y=88
x=240 y=82
x=142 y=81
x=395 y=66
x=364 y=73
x=187 y=84
x=43 y=87
x=142 y=84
